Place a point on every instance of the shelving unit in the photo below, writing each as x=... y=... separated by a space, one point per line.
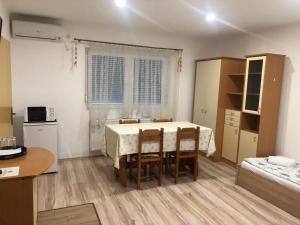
x=234 y=99
x=218 y=86
x=235 y=88
x=236 y=74
x=261 y=101
x=248 y=89
x=255 y=93
x=250 y=122
x=235 y=93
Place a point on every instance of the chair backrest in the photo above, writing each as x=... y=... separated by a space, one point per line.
x=151 y=135
x=188 y=133
x=159 y=120
x=128 y=121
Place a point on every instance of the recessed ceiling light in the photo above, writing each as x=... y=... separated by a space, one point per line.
x=210 y=17
x=120 y=3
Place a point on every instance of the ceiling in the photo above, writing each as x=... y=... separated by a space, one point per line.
x=182 y=17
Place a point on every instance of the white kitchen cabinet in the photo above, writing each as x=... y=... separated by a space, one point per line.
x=230 y=143
x=248 y=145
x=231 y=135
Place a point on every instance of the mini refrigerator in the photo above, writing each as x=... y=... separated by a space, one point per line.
x=42 y=135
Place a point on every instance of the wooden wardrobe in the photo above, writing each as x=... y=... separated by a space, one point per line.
x=211 y=99
x=6 y=128
x=252 y=126
x=239 y=99
x=261 y=101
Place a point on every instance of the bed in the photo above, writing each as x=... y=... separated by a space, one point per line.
x=277 y=184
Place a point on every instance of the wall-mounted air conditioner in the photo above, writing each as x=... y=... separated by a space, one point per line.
x=42 y=31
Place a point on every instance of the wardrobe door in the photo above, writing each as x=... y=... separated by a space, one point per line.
x=248 y=145
x=207 y=93
x=230 y=143
x=5 y=90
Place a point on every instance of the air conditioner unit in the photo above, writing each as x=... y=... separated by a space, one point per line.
x=42 y=31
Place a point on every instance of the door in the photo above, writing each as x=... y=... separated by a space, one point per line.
x=254 y=84
x=207 y=93
x=230 y=143
x=6 y=128
x=248 y=145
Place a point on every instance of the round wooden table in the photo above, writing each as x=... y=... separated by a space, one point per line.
x=18 y=195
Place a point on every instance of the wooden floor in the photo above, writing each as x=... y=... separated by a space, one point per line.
x=212 y=199
x=74 y=215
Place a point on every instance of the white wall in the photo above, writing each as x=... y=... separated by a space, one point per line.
x=284 y=40
x=5 y=17
x=42 y=74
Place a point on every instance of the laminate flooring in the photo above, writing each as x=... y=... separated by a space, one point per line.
x=212 y=199
x=74 y=215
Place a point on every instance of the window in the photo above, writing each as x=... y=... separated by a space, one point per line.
x=147 y=81
x=107 y=79
x=128 y=82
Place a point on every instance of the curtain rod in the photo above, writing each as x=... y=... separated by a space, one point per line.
x=130 y=45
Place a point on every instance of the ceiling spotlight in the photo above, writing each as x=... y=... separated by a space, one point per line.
x=120 y=3
x=210 y=17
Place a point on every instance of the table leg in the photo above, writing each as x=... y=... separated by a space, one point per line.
x=122 y=170
x=116 y=172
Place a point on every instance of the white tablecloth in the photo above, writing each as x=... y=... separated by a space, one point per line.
x=122 y=139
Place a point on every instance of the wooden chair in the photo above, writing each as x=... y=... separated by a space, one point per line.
x=180 y=157
x=129 y=121
x=144 y=159
x=160 y=120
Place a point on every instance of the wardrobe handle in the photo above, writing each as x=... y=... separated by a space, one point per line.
x=254 y=139
x=236 y=131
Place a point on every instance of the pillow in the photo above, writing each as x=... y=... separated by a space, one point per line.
x=282 y=161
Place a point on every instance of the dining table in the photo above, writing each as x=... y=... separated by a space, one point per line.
x=122 y=140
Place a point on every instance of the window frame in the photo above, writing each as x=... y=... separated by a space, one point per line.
x=90 y=97
x=161 y=81
x=128 y=84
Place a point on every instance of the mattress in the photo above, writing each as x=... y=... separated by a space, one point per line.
x=288 y=177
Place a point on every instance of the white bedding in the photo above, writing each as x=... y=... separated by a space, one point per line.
x=275 y=173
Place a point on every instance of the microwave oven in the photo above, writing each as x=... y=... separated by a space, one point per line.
x=35 y=114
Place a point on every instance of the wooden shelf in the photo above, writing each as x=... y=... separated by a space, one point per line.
x=237 y=108
x=251 y=114
x=250 y=130
x=236 y=74
x=235 y=93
